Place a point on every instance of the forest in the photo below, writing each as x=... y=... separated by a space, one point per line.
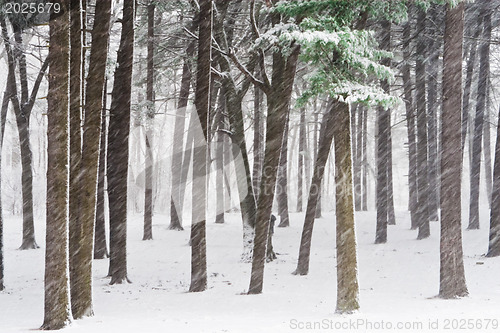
x=249 y=166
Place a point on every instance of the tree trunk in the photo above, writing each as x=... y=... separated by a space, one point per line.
x=357 y=154
x=81 y=277
x=364 y=198
x=482 y=86
x=452 y=277
x=76 y=260
x=100 y=247
x=410 y=123
x=487 y=149
x=494 y=239
x=432 y=68
x=383 y=129
x=326 y=138
x=219 y=160
x=301 y=159
x=148 y=175
x=176 y=203
x=57 y=304
x=422 y=165
x=118 y=152
x=347 y=268
x=282 y=186
x=317 y=212
x=258 y=134
x=278 y=100
x=202 y=104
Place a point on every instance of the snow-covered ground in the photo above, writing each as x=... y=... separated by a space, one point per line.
x=398 y=283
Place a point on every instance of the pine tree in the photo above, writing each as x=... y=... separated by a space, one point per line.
x=452 y=277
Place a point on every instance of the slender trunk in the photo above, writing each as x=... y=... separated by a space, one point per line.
x=482 y=86
x=364 y=198
x=202 y=103
x=278 y=100
x=326 y=138
x=487 y=149
x=282 y=185
x=118 y=151
x=57 y=304
x=148 y=175
x=219 y=160
x=317 y=212
x=357 y=155
x=494 y=239
x=410 y=123
x=301 y=159
x=452 y=276
x=422 y=165
x=432 y=109
x=383 y=129
x=257 y=138
x=100 y=247
x=81 y=279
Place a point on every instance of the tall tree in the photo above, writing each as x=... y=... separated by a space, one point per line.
x=202 y=104
x=100 y=247
x=282 y=183
x=301 y=158
x=410 y=121
x=421 y=108
x=75 y=156
x=57 y=304
x=118 y=152
x=482 y=86
x=383 y=129
x=494 y=238
x=347 y=267
x=148 y=194
x=81 y=277
x=452 y=277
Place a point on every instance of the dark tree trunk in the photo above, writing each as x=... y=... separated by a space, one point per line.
x=278 y=100
x=57 y=304
x=176 y=203
x=81 y=279
x=326 y=138
x=487 y=148
x=76 y=264
x=482 y=86
x=410 y=123
x=422 y=165
x=202 y=104
x=282 y=184
x=258 y=153
x=301 y=159
x=100 y=247
x=364 y=197
x=317 y=212
x=347 y=267
x=383 y=129
x=471 y=63
x=118 y=153
x=494 y=239
x=357 y=133
x=23 y=113
x=219 y=159
x=452 y=277
x=148 y=175
x=432 y=109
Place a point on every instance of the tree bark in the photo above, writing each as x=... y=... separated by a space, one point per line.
x=452 y=277
x=494 y=238
x=422 y=161
x=410 y=123
x=326 y=138
x=149 y=160
x=301 y=159
x=202 y=104
x=57 y=304
x=100 y=247
x=282 y=186
x=278 y=100
x=347 y=270
x=118 y=152
x=482 y=86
